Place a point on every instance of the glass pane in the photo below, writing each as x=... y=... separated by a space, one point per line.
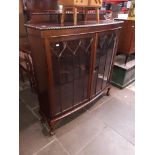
x=71 y=64
x=103 y=60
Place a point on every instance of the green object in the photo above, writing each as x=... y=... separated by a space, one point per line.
x=123 y=75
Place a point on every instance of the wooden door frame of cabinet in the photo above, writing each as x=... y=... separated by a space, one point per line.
x=92 y=65
x=51 y=87
x=114 y=54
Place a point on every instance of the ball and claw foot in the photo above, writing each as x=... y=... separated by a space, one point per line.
x=52 y=128
x=108 y=92
x=51 y=132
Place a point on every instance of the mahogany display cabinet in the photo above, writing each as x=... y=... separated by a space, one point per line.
x=73 y=64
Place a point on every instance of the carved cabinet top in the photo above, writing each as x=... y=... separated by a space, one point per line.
x=51 y=26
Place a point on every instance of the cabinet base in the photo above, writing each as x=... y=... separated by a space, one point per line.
x=53 y=122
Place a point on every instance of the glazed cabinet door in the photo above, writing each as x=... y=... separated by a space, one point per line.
x=70 y=57
x=104 y=58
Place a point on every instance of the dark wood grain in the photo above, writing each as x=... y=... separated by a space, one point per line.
x=72 y=65
x=126 y=43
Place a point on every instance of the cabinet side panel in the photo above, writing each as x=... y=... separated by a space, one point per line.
x=40 y=67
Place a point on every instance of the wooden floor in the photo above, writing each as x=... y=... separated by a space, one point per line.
x=105 y=128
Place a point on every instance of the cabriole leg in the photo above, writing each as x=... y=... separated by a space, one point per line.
x=108 y=91
x=52 y=128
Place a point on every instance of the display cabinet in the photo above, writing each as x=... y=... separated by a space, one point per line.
x=73 y=64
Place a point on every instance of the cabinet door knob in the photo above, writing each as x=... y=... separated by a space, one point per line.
x=133 y=26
